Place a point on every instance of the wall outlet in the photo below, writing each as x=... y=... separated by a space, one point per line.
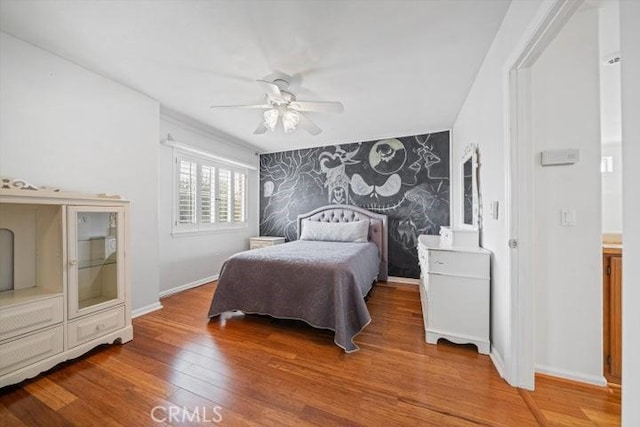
x=568 y=217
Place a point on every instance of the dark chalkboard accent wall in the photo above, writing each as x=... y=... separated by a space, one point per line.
x=405 y=178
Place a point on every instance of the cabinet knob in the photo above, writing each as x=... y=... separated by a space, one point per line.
x=73 y=262
x=101 y=327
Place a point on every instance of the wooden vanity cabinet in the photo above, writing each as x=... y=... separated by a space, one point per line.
x=612 y=312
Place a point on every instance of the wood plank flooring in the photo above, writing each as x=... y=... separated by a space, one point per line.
x=257 y=371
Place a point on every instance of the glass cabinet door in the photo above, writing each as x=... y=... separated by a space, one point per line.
x=96 y=258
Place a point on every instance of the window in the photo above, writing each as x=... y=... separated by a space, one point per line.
x=210 y=195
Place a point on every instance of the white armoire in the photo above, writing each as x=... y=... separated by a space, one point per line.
x=64 y=277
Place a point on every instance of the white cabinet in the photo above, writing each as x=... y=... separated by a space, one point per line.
x=95 y=280
x=455 y=292
x=264 y=241
x=67 y=289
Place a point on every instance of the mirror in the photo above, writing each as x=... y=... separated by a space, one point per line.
x=469 y=182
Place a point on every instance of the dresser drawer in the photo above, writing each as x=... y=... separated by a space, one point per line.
x=94 y=326
x=465 y=264
x=25 y=318
x=31 y=349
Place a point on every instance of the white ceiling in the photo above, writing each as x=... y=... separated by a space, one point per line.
x=399 y=67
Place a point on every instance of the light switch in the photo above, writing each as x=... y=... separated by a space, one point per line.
x=568 y=217
x=494 y=210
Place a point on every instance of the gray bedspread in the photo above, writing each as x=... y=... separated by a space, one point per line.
x=321 y=283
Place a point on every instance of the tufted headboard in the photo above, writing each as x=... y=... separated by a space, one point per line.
x=348 y=213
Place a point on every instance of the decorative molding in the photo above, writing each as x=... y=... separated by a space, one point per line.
x=496 y=358
x=469 y=151
x=146 y=309
x=403 y=280
x=598 y=380
x=205 y=130
x=189 y=285
x=170 y=142
x=21 y=184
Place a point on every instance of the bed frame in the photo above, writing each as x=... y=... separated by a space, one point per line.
x=347 y=213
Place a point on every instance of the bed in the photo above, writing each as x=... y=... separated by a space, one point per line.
x=316 y=279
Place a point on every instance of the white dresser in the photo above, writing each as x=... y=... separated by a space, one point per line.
x=264 y=241
x=455 y=292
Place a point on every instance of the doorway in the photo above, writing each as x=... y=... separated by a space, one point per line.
x=611 y=170
x=554 y=213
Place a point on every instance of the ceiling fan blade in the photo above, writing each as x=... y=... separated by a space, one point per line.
x=273 y=91
x=260 y=129
x=306 y=124
x=323 y=106
x=254 y=106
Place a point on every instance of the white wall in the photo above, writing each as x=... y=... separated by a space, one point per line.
x=568 y=266
x=630 y=49
x=609 y=45
x=611 y=116
x=482 y=119
x=192 y=259
x=64 y=126
x=612 y=190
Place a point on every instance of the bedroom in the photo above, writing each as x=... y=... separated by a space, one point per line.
x=65 y=99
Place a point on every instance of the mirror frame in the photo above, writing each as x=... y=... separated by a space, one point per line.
x=470 y=152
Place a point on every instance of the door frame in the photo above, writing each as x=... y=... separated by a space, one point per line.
x=519 y=368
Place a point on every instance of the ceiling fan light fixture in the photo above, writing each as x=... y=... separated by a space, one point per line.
x=271 y=118
x=282 y=105
x=290 y=119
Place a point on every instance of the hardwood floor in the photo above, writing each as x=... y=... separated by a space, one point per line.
x=252 y=370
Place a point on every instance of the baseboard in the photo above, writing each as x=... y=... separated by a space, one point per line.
x=496 y=358
x=189 y=285
x=146 y=309
x=404 y=280
x=598 y=380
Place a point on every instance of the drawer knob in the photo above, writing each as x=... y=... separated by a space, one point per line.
x=101 y=327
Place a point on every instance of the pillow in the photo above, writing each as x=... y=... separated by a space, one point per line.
x=356 y=231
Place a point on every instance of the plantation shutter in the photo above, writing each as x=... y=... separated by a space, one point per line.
x=224 y=195
x=207 y=194
x=239 y=197
x=187 y=191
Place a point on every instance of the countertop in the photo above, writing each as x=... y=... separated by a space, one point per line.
x=612 y=248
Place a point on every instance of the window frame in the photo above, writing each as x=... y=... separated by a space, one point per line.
x=199 y=227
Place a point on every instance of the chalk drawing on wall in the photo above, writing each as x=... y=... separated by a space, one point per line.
x=406 y=178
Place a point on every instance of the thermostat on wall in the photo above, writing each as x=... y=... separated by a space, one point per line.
x=559 y=157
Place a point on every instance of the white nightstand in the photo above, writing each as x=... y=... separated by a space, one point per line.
x=264 y=241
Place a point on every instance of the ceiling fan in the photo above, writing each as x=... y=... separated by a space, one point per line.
x=282 y=105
